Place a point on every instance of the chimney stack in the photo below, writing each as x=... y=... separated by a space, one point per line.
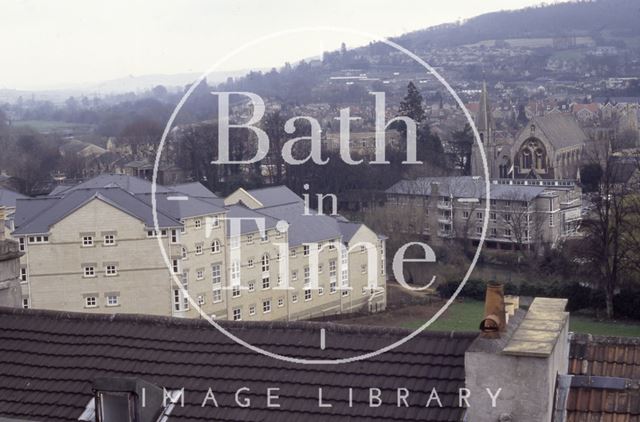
x=494 y=321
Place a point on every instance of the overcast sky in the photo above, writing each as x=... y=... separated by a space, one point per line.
x=50 y=44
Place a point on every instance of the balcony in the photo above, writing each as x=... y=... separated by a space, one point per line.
x=444 y=205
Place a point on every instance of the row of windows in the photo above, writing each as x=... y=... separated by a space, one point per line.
x=110 y=300
x=110 y=270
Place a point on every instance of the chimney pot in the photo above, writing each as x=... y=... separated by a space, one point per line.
x=494 y=320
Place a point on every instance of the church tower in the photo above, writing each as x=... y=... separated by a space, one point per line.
x=486 y=126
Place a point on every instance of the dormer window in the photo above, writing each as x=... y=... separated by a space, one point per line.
x=129 y=400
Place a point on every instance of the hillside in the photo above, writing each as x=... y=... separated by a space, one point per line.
x=604 y=20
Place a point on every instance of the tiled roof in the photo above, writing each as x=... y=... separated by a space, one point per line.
x=8 y=197
x=275 y=195
x=193 y=189
x=53 y=210
x=48 y=361
x=304 y=228
x=131 y=184
x=465 y=187
x=561 y=129
x=616 y=396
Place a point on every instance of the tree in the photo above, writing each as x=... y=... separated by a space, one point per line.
x=411 y=105
x=611 y=230
x=462 y=144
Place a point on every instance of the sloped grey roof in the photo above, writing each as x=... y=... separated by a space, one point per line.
x=304 y=228
x=130 y=184
x=348 y=230
x=8 y=198
x=191 y=207
x=275 y=195
x=465 y=187
x=54 y=210
x=193 y=189
x=562 y=129
x=248 y=226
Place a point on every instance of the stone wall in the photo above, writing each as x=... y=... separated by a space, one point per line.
x=10 y=291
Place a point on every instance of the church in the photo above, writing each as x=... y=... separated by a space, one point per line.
x=548 y=147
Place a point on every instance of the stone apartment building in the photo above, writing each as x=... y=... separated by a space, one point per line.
x=93 y=248
x=523 y=213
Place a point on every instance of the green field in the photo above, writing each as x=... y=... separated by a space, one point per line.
x=466 y=316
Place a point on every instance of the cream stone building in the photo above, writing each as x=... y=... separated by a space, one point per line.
x=93 y=247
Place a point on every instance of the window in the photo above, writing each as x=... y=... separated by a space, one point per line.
x=235 y=271
x=265 y=283
x=363 y=249
x=508 y=204
x=292 y=253
x=217 y=295
x=180 y=296
x=320 y=291
x=199 y=249
x=307 y=295
x=250 y=263
x=305 y=250
x=215 y=246
x=266 y=306
x=479 y=215
x=25 y=303
x=215 y=221
x=87 y=241
x=90 y=302
x=307 y=275
x=174 y=236
x=478 y=230
x=319 y=268
x=363 y=268
x=22 y=245
x=332 y=246
x=345 y=292
x=197 y=223
x=550 y=220
x=237 y=314
x=332 y=268
x=184 y=252
x=113 y=300
x=38 y=239
x=294 y=275
x=200 y=300
x=249 y=239
x=153 y=233
x=264 y=238
x=333 y=287
x=493 y=202
x=494 y=232
x=109 y=240
x=111 y=270
x=175 y=266
x=294 y=298
x=252 y=286
x=252 y=310
x=199 y=273
x=90 y=271
x=280 y=302
x=265 y=263
x=23 y=274
x=507 y=232
x=465 y=214
x=493 y=216
x=235 y=291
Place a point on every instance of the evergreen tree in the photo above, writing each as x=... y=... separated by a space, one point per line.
x=411 y=105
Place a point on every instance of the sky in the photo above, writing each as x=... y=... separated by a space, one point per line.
x=64 y=43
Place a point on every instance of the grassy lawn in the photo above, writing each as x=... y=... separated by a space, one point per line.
x=466 y=316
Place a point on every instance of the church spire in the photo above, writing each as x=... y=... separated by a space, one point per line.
x=484 y=122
